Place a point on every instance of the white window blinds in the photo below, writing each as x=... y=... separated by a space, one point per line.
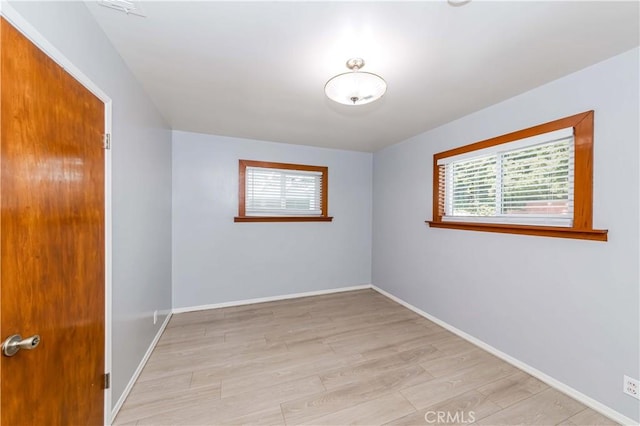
x=282 y=192
x=527 y=182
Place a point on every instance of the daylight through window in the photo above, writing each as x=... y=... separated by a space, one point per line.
x=282 y=192
x=274 y=192
x=536 y=181
x=528 y=182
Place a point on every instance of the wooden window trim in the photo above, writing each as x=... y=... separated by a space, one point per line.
x=583 y=183
x=324 y=204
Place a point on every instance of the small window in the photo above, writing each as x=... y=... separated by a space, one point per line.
x=280 y=192
x=536 y=181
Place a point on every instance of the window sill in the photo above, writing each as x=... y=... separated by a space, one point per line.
x=283 y=219
x=544 y=231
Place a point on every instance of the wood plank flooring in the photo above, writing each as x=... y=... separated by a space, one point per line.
x=353 y=358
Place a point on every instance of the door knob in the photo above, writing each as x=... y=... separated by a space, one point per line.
x=14 y=343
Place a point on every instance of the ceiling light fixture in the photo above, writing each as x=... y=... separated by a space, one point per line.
x=355 y=87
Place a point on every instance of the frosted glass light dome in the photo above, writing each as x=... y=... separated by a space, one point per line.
x=355 y=87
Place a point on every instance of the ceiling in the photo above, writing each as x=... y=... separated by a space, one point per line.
x=257 y=69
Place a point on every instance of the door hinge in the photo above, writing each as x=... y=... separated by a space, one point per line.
x=107 y=141
x=107 y=381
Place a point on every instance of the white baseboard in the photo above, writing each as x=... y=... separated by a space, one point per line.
x=579 y=396
x=566 y=389
x=136 y=374
x=269 y=299
x=145 y=358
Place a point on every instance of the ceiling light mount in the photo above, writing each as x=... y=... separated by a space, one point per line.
x=458 y=3
x=355 y=87
x=354 y=64
x=130 y=7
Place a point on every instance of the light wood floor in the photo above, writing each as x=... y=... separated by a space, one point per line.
x=346 y=358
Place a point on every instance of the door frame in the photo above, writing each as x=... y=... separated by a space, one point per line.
x=29 y=31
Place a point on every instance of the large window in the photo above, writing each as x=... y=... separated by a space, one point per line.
x=280 y=192
x=535 y=181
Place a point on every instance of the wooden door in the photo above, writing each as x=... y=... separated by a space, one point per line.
x=52 y=276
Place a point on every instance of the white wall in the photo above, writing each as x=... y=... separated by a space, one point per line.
x=569 y=308
x=216 y=260
x=141 y=167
